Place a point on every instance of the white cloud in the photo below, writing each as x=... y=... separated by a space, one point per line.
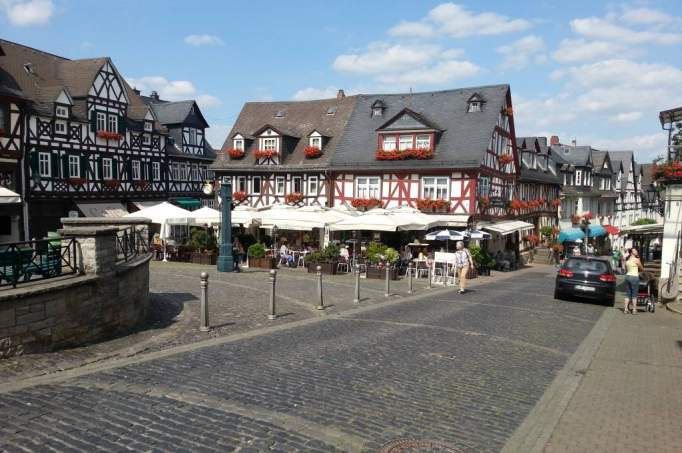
x=173 y=90
x=646 y=16
x=518 y=54
x=412 y=29
x=596 y=28
x=203 y=40
x=455 y=20
x=627 y=73
x=382 y=57
x=577 y=50
x=206 y=101
x=625 y=117
x=309 y=93
x=646 y=146
x=438 y=74
x=32 y=12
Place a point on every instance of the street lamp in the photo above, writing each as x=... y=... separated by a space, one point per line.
x=225 y=262
x=275 y=230
x=585 y=226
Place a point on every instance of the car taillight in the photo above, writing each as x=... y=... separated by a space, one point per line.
x=607 y=278
x=565 y=273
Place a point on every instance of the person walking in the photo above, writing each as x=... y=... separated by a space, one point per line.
x=463 y=263
x=632 y=268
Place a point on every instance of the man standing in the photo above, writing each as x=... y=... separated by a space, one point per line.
x=463 y=263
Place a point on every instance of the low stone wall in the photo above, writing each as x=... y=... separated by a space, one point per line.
x=105 y=300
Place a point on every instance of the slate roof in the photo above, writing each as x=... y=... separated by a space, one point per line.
x=647 y=176
x=49 y=74
x=542 y=172
x=578 y=156
x=462 y=143
x=300 y=119
x=625 y=158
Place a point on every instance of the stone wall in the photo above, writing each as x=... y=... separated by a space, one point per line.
x=106 y=300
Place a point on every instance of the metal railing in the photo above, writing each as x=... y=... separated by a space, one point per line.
x=132 y=241
x=28 y=261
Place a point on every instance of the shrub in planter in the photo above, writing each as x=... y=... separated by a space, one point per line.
x=327 y=259
x=380 y=256
x=258 y=259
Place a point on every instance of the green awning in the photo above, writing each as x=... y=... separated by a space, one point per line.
x=188 y=202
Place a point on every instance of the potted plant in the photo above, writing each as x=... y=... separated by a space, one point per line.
x=506 y=159
x=547 y=233
x=203 y=247
x=380 y=257
x=327 y=259
x=258 y=258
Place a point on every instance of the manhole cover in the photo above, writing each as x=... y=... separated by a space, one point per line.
x=417 y=446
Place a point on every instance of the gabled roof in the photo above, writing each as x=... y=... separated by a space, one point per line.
x=301 y=118
x=579 y=156
x=408 y=119
x=175 y=112
x=279 y=129
x=647 y=175
x=462 y=144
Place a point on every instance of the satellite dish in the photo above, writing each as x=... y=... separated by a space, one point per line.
x=208 y=188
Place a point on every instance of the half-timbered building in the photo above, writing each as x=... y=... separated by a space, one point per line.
x=628 y=188
x=449 y=151
x=539 y=183
x=280 y=152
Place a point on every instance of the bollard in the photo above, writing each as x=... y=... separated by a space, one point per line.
x=409 y=279
x=428 y=274
x=273 y=281
x=318 y=271
x=204 y=303
x=388 y=281
x=356 y=300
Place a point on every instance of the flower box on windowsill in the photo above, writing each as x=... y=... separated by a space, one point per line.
x=312 y=152
x=293 y=198
x=426 y=205
x=265 y=154
x=76 y=181
x=107 y=135
x=418 y=153
x=239 y=197
x=112 y=183
x=364 y=204
x=669 y=172
x=141 y=184
x=236 y=153
x=506 y=159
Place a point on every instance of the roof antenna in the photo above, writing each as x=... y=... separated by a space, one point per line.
x=409 y=99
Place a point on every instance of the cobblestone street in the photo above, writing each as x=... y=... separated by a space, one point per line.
x=464 y=370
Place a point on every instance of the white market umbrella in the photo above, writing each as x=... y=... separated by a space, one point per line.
x=205 y=216
x=373 y=220
x=164 y=214
x=478 y=234
x=302 y=218
x=9 y=197
x=416 y=219
x=445 y=235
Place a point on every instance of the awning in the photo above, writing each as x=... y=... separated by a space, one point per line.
x=508 y=227
x=111 y=209
x=653 y=228
x=188 y=202
x=146 y=204
x=9 y=197
x=596 y=231
x=571 y=235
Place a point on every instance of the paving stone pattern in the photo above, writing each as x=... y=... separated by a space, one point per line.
x=448 y=368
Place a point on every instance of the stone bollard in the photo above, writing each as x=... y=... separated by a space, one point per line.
x=387 y=291
x=409 y=279
x=356 y=299
x=273 y=282
x=318 y=271
x=204 y=303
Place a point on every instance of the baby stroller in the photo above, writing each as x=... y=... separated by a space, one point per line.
x=645 y=296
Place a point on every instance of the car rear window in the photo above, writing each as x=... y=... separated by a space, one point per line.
x=587 y=265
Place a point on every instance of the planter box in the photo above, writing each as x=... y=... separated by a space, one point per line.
x=263 y=263
x=375 y=272
x=203 y=258
x=473 y=273
x=327 y=268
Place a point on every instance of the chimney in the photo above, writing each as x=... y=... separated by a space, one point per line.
x=340 y=95
x=154 y=95
x=574 y=143
x=554 y=140
x=136 y=91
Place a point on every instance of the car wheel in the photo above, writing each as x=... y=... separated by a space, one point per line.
x=558 y=295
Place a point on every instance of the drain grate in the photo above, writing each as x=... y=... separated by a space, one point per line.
x=417 y=446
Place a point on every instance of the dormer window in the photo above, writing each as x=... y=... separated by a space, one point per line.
x=268 y=144
x=378 y=108
x=61 y=111
x=192 y=136
x=238 y=143
x=331 y=110
x=389 y=143
x=148 y=126
x=474 y=106
x=279 y=114
x=316 y=142
x=423 y=142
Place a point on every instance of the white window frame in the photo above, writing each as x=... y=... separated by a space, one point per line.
x=389 y=143
x=175 y=171
x=436 y=187
x=241 y=184
x=192 y=136
x=315 y=142
x=368 y=187
x=146 y=139
x=313 y=185
x=256 y=188
x=377 y=111
x=148 y=126
x=423 y=141
x=107 y=168
x=61 y=112
x=156 y=171
x=578 y=177
x=112 y=123
x=195 y=172
x=238 y=143
x=405 y=142
x=74 y=167
x=474 y=106
x=269 y=143
x=101 y=121
x=297 y=180
x=135 y=167
x=60 y=127
x=280 y=185
x=45 y=164
x=483 y=186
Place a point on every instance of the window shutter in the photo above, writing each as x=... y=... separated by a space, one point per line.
x=55 y=165
x=122 y=125
x=129 y=169
x=100 y=168
x=85 y=167
x=34 y=162
x=149 y=171
x=65 y=166
x=114 y=168
x=93 y=121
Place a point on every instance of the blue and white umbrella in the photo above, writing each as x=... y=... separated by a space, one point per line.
x=446 y=235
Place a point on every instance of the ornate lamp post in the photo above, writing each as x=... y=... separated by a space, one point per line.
x=225 y=260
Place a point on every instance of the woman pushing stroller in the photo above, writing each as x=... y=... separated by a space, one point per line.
x=633 y=266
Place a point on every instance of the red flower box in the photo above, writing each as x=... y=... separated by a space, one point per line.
x=112 y=183
x=266 y=153
x=142 y=184
x=236 y=153
x=76 y=181
x=293 y=198
x=312 y=152
x=239 y=196
x=556 y=203
x=418 y=153
x=433 y=205
x=109 y=135
x=671 y=170
x=506 y=159
x=515 y=204
x=365 y=203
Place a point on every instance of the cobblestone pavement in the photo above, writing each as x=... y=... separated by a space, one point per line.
x=238 y=303
x=629 y=399
x=462 y=370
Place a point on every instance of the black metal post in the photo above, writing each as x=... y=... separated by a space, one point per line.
x=409 y=279
x=204 y=327
x=387 y=291
x=273 y=283
x=318 y=271
x=356 y=299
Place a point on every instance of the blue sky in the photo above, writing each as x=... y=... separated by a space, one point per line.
x=597 y=72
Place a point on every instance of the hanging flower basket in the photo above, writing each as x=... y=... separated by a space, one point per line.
x=671 y=171
x=556 y=203
x=142 y=184
x=76 y=181
x=312 y=152
x=266 y=153
x=293 y=198
x=364 y=204
x=236 y=153
x=112 y=183
x=506 y=159
x=433 y=205
x=405 y=154
x=239 y=197
x=109 y=135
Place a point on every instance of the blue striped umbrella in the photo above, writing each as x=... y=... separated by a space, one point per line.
x=596 y=231
x=571 y=235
